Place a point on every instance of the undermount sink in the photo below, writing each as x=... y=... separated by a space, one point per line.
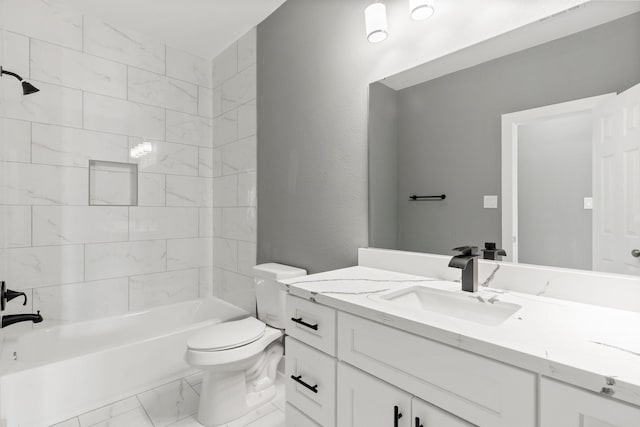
x=466 y=306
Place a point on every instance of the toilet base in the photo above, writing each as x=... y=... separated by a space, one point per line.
x=226 y=396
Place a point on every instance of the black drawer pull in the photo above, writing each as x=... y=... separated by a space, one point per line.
x=396 y=415
x=313 y=388
x=303 y=323
x=418 y=422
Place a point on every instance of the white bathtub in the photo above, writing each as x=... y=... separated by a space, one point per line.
x=49 y=375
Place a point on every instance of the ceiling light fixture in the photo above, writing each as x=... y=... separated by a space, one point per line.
x=375 y=18
x=421 y=9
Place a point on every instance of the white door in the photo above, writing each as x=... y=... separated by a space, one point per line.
x=364 y=400
x=616 y=184
x=562 y=405
x=424 y=414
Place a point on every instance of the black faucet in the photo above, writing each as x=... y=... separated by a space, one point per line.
x=467 y=261
x=7 y=295
x=17 y=318
x=491 y=252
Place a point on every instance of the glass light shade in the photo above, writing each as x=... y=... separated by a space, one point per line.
x=421 y=9
x=375 y=18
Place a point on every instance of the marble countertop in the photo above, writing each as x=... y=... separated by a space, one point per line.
x=592 y=347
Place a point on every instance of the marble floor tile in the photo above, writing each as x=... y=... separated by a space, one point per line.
x=253 y=416
x=272 y=419
x=170 y=403
x=110 y=411
x=136 y=417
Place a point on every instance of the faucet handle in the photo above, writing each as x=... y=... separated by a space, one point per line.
x=467 y=250
x=7 y=295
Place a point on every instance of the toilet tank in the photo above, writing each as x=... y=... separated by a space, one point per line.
x=269 y=294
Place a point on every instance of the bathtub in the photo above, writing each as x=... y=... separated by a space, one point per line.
x=50 y=375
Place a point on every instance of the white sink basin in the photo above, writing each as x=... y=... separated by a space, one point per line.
x=466 y=306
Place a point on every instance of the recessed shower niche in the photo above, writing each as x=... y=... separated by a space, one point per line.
x=113 y=183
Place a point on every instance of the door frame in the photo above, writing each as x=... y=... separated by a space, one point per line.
x=509 y=159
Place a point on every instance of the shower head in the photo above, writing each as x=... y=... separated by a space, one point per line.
x=27 y=88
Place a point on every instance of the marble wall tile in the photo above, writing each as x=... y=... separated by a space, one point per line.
x=153 y=223
x=45 y=20
x=225 y=191
x=225 y=128
x=16 y=53
x=217 y=221
x=189 y=67
x=113 y=115
x=188 y=129
x=16 y=144
x=82 y=301
x=247 y=119
x=63 y=225
x=189 y=191
x=205 y=162
x=239 y=290
x=226 y=254
x=225 y=65
x=43 y=266
x=155 y=89
x=239 y=156
x=112 y=184
x=27 y=184
x=216 y=162
x=152 y=290
x=239 y=89
x=16 y=226
x=205 y=222
x=167 y=158
x=189 y=253
x=169 y=403
x=64 y=146
x=67 y=67
x=246 y=258
x=151 y=189
x=205 y=102
x=108 y=41
x=239 y=223
x=53 y=104
x=107 y=260
x=216 y=105
x=206 y=282
x=247 y=189
x=247 y=49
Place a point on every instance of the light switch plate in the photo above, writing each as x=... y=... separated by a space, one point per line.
x=588 y=202
x=491 y=202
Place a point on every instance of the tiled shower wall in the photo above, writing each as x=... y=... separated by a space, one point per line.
x=234 y=183
x=104 y=89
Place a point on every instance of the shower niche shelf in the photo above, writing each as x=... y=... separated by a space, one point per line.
x=113 y=183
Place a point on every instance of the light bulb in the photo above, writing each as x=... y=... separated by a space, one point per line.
x=421 y=9
x=375 y=18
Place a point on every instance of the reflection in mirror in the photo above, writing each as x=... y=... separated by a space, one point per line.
x=534 y=138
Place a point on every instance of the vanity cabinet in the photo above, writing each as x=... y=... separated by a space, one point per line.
x=562 y=405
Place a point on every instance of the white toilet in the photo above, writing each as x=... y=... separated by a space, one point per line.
x=240 y=358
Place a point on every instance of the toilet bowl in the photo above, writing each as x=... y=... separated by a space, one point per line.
x=240 y=358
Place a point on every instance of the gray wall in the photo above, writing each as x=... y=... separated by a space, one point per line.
x=383 y=162
x=554 y=177
x=449 y=128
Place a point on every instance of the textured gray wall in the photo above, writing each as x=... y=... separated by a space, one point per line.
x=449 y=128
x=383 y=162
x=314 y=68
x=554 y=177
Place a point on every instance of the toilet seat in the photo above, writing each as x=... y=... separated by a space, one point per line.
x=227 y=335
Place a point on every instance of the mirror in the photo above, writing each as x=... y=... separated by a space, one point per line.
x=530 y=141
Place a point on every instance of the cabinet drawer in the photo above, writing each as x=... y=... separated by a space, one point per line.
x=294 y=418
x=311 y=382
x=563 y=405
x=311 y=323
x=480 y=390
x=427 y=415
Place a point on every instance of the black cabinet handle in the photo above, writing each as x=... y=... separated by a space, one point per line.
x=303 y=323
x=313 y=388
x=396 y=415
x=418 y=422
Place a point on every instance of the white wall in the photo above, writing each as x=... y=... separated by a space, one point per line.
x=102 y=89
x=234 y=183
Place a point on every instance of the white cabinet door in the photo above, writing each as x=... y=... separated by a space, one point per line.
x=365 y=401
x=425 y=415
x=562 y=405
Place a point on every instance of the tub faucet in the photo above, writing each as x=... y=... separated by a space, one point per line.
x=17 y=318
x=467 y=261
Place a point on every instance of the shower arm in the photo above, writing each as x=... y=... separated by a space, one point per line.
x=17 y=76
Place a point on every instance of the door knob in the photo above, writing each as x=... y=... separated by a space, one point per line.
x=635 y=253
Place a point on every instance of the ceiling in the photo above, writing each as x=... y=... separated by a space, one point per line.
x=203 y=27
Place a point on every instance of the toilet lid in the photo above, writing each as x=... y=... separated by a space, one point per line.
x=223 y=336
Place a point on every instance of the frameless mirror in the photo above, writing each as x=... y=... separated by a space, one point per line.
x=530 y=141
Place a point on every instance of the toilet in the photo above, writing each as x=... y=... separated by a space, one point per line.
x=240 y=358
